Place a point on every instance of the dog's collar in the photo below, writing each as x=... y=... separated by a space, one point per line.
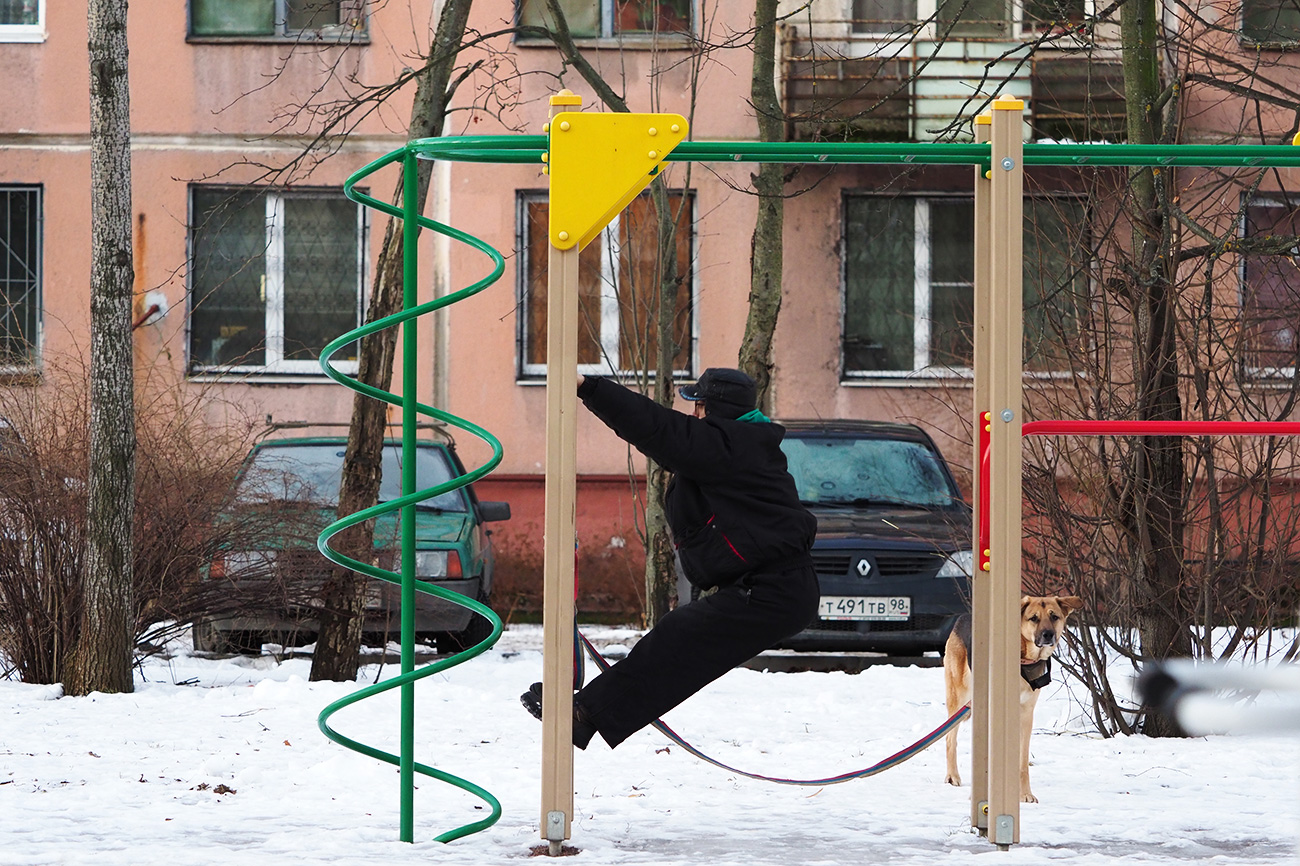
x=1037 y=674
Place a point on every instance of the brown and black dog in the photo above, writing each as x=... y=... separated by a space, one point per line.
x=1042 y=621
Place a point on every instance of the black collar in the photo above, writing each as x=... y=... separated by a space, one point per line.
x=1037 y=674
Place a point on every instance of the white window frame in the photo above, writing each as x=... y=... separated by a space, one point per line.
x=899 y=43
x=1274 y=199
x=922 y=294
x=608 y=11
x=340 y=32
x=273 y=297
x=26 y=32
x=921 y=297
x=610 y=320
x=38 y=267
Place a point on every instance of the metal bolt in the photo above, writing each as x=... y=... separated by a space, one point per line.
x=654 y=131
x=1008 y=163
x=564 y=126
x=564 y=236
x=1007 y=415
x=676 y=127
x=654 y=154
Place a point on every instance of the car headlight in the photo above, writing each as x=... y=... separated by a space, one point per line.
x=437 y=563
x=960 y=563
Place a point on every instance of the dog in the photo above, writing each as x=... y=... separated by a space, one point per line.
x=1042 y=621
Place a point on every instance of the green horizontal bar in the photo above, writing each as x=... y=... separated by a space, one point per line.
x=523 y=149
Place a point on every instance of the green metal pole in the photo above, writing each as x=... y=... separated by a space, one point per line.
x=410 y=276
x=529 y=149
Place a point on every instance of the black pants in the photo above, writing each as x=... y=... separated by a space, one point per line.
x=695 y=644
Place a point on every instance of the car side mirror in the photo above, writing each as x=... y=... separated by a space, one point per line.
x=490 y=512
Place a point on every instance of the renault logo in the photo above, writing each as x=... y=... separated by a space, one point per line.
x=863 y=567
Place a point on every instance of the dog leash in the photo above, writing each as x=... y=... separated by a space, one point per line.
x=879 y=767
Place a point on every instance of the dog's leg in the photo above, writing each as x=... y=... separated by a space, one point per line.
x=956 y=681
x=1028 y=700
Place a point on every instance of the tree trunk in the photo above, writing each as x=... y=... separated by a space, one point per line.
x=343 y=597
x=1155 y=517
x=765 y=246
x=660 y=564
x=103 y=656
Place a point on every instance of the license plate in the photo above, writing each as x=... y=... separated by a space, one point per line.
x=881 y=608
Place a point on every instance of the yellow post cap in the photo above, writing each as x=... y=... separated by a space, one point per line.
x=566 y=97
x=1006 y=103
x=1296 y=141
x=985 y=119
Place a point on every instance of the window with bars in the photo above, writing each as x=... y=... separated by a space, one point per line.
x=20 y=275
x=273 y=277
x=285 y=19
x=1270 y=289
x=1271 y=22
x=909 y=269
x=618 y=288
x=22 y=20
x=609 y=18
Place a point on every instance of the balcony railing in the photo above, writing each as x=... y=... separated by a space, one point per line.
x=875 y=86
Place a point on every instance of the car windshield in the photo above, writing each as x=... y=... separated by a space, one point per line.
x=864 y=471
x=312 y=473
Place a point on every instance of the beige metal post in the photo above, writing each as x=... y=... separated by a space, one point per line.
x=981 y=623
x=560 y=538
x=1005 y=397
x=558 y=563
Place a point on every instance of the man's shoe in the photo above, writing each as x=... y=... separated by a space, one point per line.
x=583 y=729
x=532 y=700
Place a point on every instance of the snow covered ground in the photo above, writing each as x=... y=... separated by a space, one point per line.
x=219 y=761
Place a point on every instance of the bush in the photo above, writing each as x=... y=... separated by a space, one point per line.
x=186 y=466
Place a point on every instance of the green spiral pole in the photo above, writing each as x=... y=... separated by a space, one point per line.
x=412 y=409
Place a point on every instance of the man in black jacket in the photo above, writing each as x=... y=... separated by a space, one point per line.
x=737 y=524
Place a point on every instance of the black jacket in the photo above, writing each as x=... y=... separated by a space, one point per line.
x=731 y=506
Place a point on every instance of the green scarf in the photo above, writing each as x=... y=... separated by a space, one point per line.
x=754 y=416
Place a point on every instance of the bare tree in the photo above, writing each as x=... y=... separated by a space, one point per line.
x=343 y=597
x=102 y=661
x=766 y=249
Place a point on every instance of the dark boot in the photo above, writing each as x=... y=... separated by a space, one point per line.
x=583 y=730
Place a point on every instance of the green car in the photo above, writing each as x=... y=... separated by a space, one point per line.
x=267 y=586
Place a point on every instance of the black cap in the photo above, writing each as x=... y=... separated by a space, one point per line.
x=723 y=385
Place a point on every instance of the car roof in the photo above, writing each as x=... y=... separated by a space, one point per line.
x=856 y=427
x=336 y=440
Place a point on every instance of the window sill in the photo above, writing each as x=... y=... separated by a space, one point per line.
x=22 y=34
x=248 y=377
x=634 y=42
x=1252 y=45
x=345 y=39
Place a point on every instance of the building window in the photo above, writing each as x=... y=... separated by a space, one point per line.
x=609 y=18
x=618 y=288
x=884 y=17
x=1270 y=22
x=909 y=267
x=1270 y=289
x=22 y=20
x=1053 y=14
x=20 y=275
x=274 y=276
x=980 y=19
x=283 y=19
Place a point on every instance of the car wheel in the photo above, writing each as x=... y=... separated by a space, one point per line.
x=475 y=633
x=207 y=639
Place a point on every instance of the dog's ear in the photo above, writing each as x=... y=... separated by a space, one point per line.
x=1024 y=603
x=1069 y=603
